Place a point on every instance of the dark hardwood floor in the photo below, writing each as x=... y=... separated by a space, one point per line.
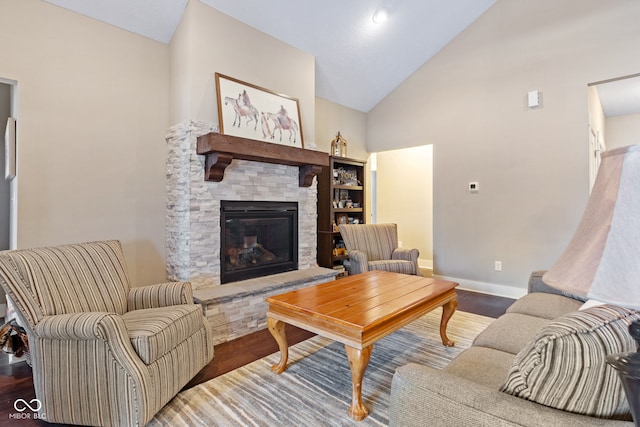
x=482 y=304
x=16 y=381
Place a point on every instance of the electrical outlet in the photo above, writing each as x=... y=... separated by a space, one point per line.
x=400 y=243
x=497 y=265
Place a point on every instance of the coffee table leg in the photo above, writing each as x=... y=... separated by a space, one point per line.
x=276 y=327
x=358 y=361
x=447 y=311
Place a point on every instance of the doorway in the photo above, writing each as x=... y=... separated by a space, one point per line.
x=403 y=194
x=614 y=116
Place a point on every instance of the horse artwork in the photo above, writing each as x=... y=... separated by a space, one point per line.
x=281 y=120
x=243 y=108
x=273 y=113
x=266 y=129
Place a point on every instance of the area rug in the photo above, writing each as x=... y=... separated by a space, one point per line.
x=315 y=390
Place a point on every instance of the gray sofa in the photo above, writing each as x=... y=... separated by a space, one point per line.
x=467 y=392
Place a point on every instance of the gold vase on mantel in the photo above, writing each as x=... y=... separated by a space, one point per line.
x=339 y=146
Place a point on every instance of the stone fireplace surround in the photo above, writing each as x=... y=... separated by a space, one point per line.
x=193 y=231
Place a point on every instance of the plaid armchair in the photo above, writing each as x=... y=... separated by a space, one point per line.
x=103 y=353
x=375 y=247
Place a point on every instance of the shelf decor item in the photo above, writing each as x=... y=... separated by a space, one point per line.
x=253 y=112
x=339 y=146
x=348 y=175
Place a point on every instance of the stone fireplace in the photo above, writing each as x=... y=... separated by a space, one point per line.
x=194 y=239
x=194 y=205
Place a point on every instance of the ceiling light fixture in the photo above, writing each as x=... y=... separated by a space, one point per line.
x=381 y=15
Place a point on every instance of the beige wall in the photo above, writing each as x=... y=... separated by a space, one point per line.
x=92 y=109
x=405 y=197
x=408 y=205
x=469 y=101
x=208 y=41
x=332 y=118
x=622 y=130
x=352 y=125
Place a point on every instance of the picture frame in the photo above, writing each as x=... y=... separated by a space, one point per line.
x=347 y=175
x=249 y=111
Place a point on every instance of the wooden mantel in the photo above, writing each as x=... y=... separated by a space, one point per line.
x=221 y=149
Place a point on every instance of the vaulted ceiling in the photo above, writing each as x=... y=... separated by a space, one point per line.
x=357 y=62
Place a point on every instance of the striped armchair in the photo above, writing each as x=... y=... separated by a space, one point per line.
x=375 y=247
x=103 y=353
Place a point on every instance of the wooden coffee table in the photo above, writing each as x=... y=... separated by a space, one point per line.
x=358 y=311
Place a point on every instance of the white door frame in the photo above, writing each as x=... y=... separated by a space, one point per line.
x=13 y=190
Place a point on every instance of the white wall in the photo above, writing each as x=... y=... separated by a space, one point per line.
x=469 y=101
x=622 y=130
x=93 y=110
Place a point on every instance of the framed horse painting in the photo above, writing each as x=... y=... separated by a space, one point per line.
x=250 y=111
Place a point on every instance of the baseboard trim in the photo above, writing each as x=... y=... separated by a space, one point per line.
x=486 y=288
x=426 y=267
x=425 y=263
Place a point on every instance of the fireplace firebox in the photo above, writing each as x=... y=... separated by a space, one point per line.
x=257 y=239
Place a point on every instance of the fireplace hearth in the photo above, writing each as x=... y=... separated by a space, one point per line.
x=257 y=238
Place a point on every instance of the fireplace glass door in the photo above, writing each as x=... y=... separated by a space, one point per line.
x=257 y=239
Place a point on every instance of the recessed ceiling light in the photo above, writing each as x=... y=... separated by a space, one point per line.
x=381 y=15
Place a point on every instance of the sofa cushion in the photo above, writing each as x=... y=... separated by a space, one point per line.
x=547 y=306
x=510 y=332
x=565 y=367
x=156 y=331
x=482 y=365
